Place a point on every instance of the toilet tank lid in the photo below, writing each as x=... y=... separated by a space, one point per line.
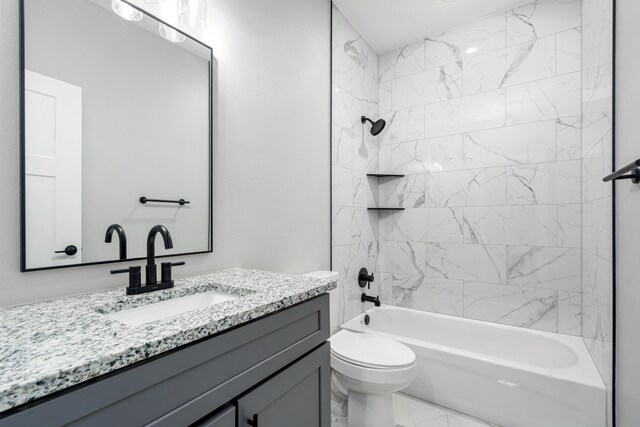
x=369 y=350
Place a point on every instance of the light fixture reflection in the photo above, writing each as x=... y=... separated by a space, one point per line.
x=126 y=11
x=193 y=13
x=170 y=34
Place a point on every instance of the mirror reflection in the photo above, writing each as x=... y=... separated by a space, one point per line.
x=117 y=134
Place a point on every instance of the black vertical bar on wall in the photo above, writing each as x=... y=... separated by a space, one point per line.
x=22 y=151
x=331 y=136
x=211 y=124
x=613 y=214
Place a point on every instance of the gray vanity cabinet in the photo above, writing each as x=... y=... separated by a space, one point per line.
x=297 y=397
x=276 y=367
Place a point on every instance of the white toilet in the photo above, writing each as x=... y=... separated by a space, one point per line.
x=366 y=370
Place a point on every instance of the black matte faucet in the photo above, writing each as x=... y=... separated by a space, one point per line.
x=366 y=298
x=150 y=268
x=122 y=239
x=166 y=281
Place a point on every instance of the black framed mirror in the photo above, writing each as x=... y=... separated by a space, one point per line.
x=116 y=134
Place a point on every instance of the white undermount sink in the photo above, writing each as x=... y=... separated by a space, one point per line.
x=161 y=310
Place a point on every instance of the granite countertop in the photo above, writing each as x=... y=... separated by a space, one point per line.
x=51 y=345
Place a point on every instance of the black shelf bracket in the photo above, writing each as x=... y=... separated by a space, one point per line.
x=634 y=176
x=385 y=209
x=384 y=175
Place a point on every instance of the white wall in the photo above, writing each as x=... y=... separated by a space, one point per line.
x=271 y=147
x=627 y=211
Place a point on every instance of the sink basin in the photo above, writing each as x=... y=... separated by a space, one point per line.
x=171 y=307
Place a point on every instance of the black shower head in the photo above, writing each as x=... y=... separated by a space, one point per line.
x=376 y=127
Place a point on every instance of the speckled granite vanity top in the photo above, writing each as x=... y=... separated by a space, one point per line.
x=51 y=345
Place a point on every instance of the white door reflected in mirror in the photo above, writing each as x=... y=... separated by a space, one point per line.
x=53 y=170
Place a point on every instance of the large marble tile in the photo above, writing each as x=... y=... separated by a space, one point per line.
x=597 y=44
x=569 y=138
x=407 y=192
x=457 y=44
x=595 y=165
x=526 y=62
x=426 y=87
x=544 y=267
x=352 y=188
x=342 y=141
x=486 y=263
x=511 y=225
x=402 y=62
x=597 y=274
x=422 y=156
x=544 y=183
x=467 y=114
x=384 y=98
x=423 y=225
x=427 y=294
x=535 y=225
x=570 y=313
x=485 y=225
x=569 y=51
x=351 y=225
x=541 y=18
x=544 y=99
x=596 y=227
x=570 y=226
x=402 y=257
x=403 y=125
x=597 y=86
x=596 y=10
x=477 y=187
x=596 y=132
x=512 y=305
x=512 y=145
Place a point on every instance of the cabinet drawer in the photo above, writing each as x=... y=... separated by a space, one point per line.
x=224 y=418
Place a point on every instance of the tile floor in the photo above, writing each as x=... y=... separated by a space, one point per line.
x=411 y=412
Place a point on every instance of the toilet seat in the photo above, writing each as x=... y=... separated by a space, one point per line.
x=370 y=351
x=372 y=359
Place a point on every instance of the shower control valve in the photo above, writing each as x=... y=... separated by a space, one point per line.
x=364 y=278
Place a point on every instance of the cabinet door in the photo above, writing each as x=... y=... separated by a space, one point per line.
x=297 y=396
x=224 y=418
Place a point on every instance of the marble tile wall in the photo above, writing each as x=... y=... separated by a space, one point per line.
x=597 y=286
x=486 y=122
x=354 y=154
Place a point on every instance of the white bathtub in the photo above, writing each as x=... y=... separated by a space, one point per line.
x=512 y=377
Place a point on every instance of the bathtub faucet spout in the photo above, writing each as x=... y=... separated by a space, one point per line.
x=367 y=298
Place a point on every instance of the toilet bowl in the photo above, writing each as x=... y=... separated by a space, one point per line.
x=366 y=370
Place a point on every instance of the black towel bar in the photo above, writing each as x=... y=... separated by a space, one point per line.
x=634 y=168
x=180 y=202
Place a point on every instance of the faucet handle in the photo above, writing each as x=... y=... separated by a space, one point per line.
x=165 y=273
x=364 y=278
x=135 y=275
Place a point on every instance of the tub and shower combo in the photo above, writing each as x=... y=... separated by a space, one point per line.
x=502 y=374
